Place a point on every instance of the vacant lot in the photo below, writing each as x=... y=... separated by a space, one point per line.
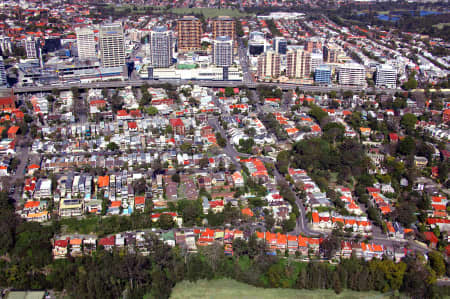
x=227 y=288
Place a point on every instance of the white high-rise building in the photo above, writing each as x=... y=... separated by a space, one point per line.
x=5 y=44
x=298 y=64
x=2 y=72
x=161 y=47
x=316 y=60
x=30 y=47
x=223 y=51
x=86 y=43
x=386 y=76
x=352 y=74
x=112 y=47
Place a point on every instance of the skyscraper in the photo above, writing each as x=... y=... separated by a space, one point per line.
x=161 y=47
x=85 y=43
x=268 y=65
x=112 y=46
x=298 y=64
x=2 y=72
x=223 y=51
x=189 y=30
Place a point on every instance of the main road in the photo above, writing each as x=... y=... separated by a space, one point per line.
x=206 y=83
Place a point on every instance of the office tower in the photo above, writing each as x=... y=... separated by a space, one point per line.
x=257 y=43
x=2 y=72
x=268 y=65
x=352 y=74
x=161 y=47
x=386 y=76
x=85 y=43
x=223 y=51
x=322 y=74
x=313 y=43
x=316 y=60
x=280 y=45
x=330 y=53
x=31 y=46
x=112 y=46
x=224 y=26
x=298 y=64
x=189 y=31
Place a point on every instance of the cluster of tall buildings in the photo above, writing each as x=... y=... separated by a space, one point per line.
x=298 y=62
x=189 y=34
x=111 y=45
x=315 y=60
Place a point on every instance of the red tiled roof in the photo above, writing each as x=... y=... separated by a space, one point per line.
x=111 y=240
x=430 y=236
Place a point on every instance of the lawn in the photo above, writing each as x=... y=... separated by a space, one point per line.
x=227 y=288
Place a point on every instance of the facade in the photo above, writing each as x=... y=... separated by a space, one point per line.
x=112 y=48
x=386 y=76
x=223 y=51
x=280 y=45
x=30 y=45
x=2 y=72
x=161 y=47
x=268 y=65
x=298 y=64
x=86 y=43
x=352 y=74
x=189 y=34
x=322 y=74
x=224 y=26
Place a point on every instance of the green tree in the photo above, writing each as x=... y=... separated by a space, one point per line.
x=411 y=83
x=229 y=91
x=317 y=113
x=169 y=130
x=151 y=110
x=175 y=178
x=112 y=146
x=407 y=146
x=408 y=121
x=166 y=221
x=437 y=263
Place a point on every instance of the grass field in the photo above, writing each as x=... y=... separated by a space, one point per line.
x=227 y=288
x=206 y=11
x=209 y=12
